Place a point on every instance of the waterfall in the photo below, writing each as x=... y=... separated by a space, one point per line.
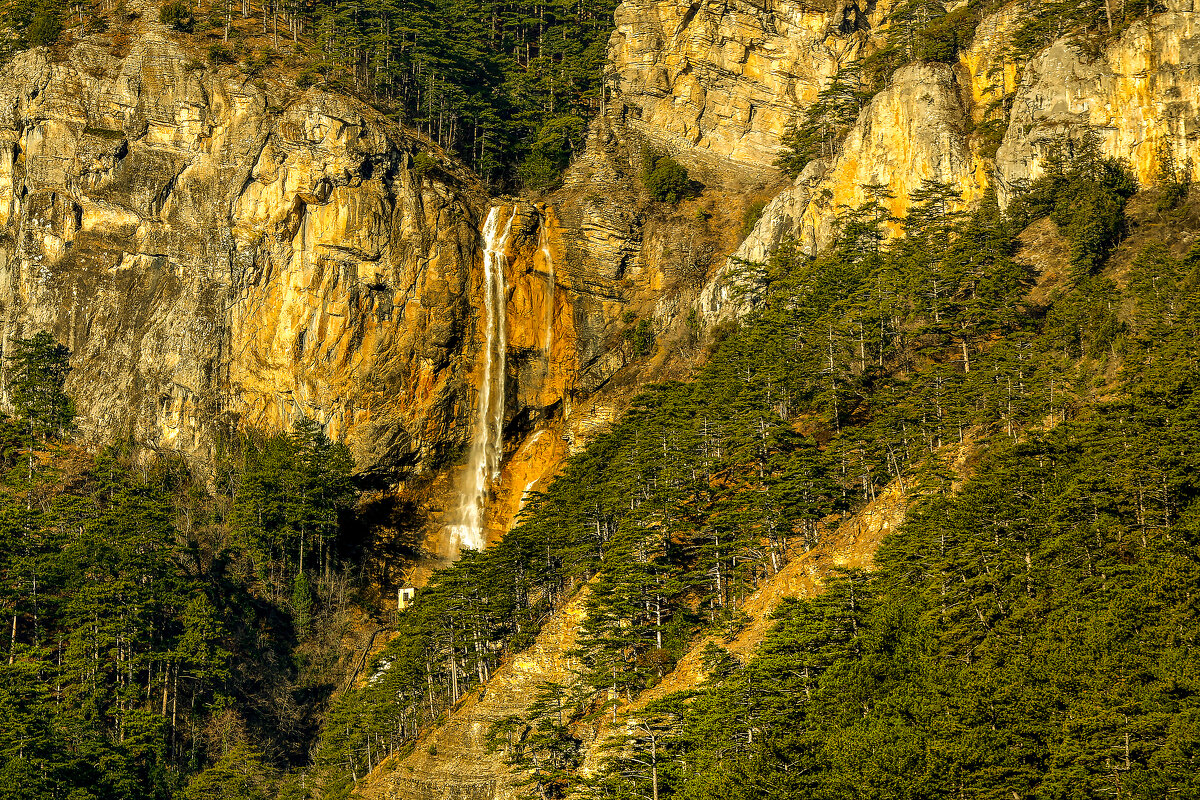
x=483 y=464
x=544 y=249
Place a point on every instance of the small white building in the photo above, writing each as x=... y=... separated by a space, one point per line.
x=404 y=597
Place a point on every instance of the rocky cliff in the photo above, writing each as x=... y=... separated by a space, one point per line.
x=222 y=253
x=459 y=758
x=717 y=83
x=1140 y=94
x=218 y=251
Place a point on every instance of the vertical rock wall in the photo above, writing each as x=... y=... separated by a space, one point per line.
x=218 y=252
x=1143 y=92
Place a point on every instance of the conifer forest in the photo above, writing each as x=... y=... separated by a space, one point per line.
x=565 y=400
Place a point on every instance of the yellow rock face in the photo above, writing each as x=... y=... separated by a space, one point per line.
x=218 y=254
x=987 y=66
x=1143 y=92
x=910 y=132
x=717 y=83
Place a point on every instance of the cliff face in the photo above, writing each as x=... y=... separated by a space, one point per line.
x=216 y=250
x=221 y=252
x=913 y=130
x=1143 y=92
x=717 y=83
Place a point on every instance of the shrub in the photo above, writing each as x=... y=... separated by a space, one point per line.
x=177 y=15
x=642 y=338
x=538 y=172
x=219 y=54
x=751 y=216
x=667 y=180
x=45 y=28
x=1174 y=178
x=422 y=164
x=307 y=78
x=1084 y=193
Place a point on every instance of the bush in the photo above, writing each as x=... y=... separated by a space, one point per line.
x=667 y=180
x=558 y=139
x=538 y=172
x=1174 y=178
x=219 y=54
x=642 y=338
x=45 y=28
x=1084 y=193
x=308 y=77
x=422 y=164
x=177 y=15
x=751 y=216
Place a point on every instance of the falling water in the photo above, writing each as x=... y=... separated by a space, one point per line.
x=544 y=249
x=483 y=465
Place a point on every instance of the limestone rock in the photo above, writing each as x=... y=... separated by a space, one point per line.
x=717 y=81
x=1142 y=91
x=912 y=131
x=218 y=253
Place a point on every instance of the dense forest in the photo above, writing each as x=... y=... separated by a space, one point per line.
x=156 y=624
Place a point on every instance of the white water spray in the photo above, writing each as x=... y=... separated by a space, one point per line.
x=483 y=465
x=544 y=249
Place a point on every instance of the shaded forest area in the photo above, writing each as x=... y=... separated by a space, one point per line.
x=156 y=624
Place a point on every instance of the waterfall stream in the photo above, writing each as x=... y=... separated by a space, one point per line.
x=483 y=463
x=544 y=249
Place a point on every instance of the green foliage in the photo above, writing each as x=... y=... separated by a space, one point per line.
x=1089 y=24
x=822 y=125
x=31 y=23
x=143 y=657
x=641 y=338
x=883 y=353
x=306 y=79
x=240 y=774
x=46 y=27
x=422 y=164
x=1084 y=193
x=177 y=15
x=1030 y=635
x=38 y=369
x=666 y=179
x=706 y=488
x=557 y=139
x=293 y=492
x=1175 y=179
x=507 y=88
x=751 y=216
x=219 y=54
x=302 y=603
x=540 y=743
